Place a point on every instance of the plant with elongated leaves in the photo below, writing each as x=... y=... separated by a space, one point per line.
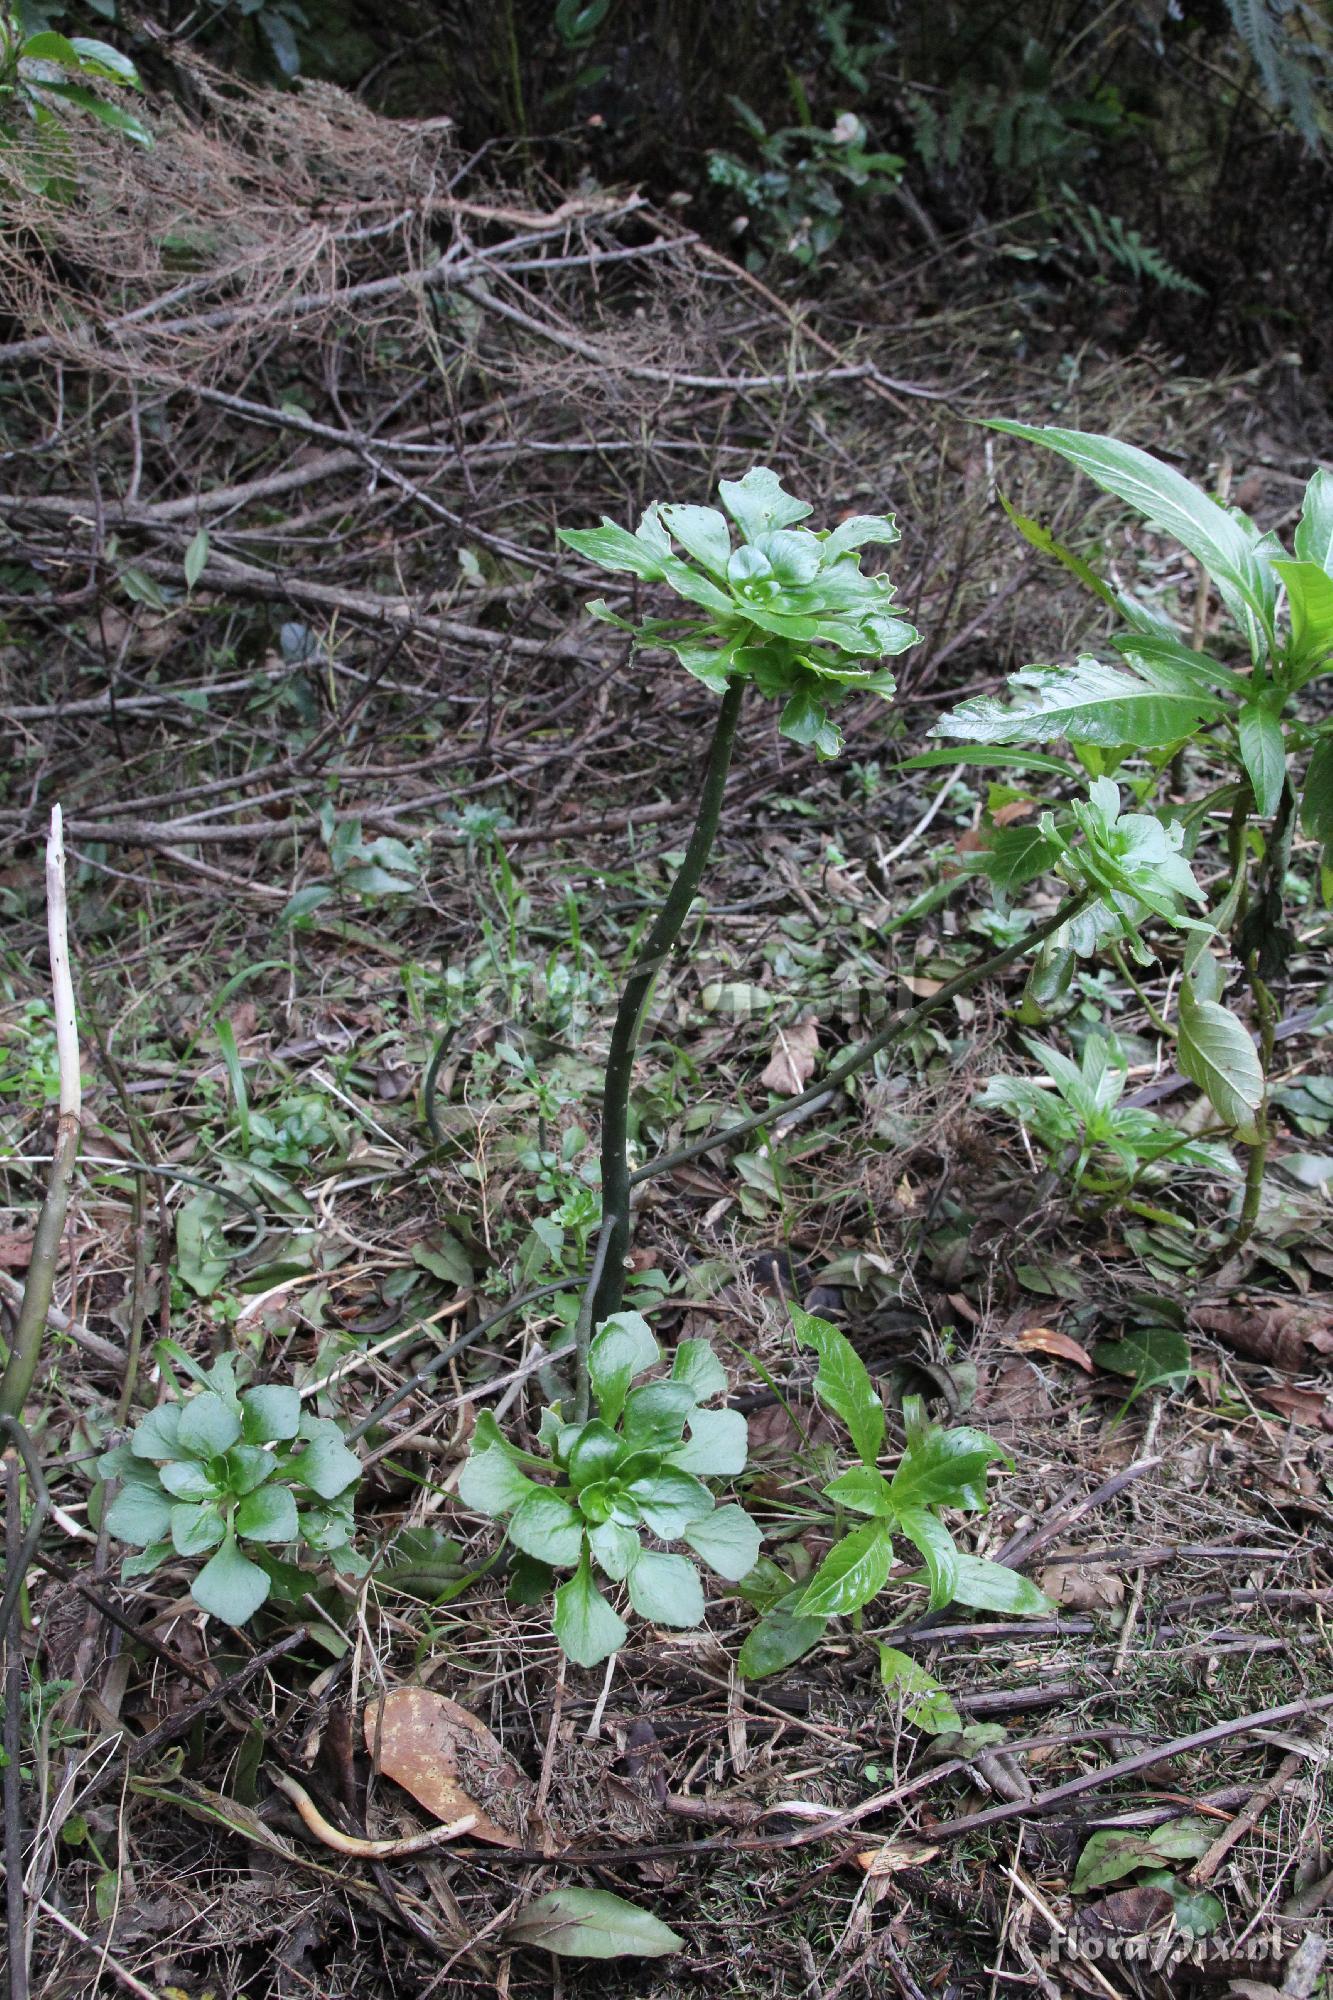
x=1169 y=703
x=784 y=607
x=938 y=1469
x=603 y=1482
x=1081 y=1121
x=234 y=1475
x=43 y=77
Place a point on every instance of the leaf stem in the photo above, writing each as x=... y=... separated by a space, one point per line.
x=900 y=1025
x=652 y=955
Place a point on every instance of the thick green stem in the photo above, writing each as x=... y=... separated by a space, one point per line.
x=651 y=957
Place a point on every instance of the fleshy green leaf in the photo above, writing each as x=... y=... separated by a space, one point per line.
x=590 y=1452
x=270 y=1414
x=696 y=1364
x=855 y=1570
x=195 y=1530
x=666 y=1589
x=717 y=1446
x=139 y=1515
x=584 y=1622
x=622 y=1348
x=1215 y=1052
x=325 y=1464
x=615 y=548
x=207 y=1426
x=546 y=1526
x=615 y=1549
x=491 y=1483
x=703 y=533
x=727 y=1540
x=670 y=1500
x=841 y=1382
x=590 y=1923
x=155 y=1435
x=187 y=1479
x=655 y=1414
x=267 y=1515
x=926 y=1705
x=230 y=1587
x=1264 y=752
x=758 y=504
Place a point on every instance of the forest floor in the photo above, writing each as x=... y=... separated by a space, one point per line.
x=334 y=1130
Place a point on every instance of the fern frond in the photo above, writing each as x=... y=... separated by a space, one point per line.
x=1110 y=236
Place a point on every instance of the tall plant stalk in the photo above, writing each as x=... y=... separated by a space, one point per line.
x=651 y=956
x=31 y=1328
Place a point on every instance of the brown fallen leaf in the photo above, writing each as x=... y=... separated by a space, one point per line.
x=1312 y=1407
x=1049 y=1340
x=1283 y=1332
x=1081 y=1589
x=893 y=1857
x=792 y=1063
x=1127 y=1912
x=429 y=1745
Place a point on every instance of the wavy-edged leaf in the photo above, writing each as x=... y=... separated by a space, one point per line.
x=231 y=1587
x=1263 y=752
x=717 y=1447
x=1314 y=531
x=842 y=1383
x=1088 y=702
x=1217 y=1053
x=758 y=504
x=1227 y=547
x=544 y=1525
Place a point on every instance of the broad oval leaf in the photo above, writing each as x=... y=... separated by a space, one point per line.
x=670 y=1500
x=590 y=1923
x=139 y=1515
x=1316 y=810
x=267 y=1515
x=781 y=1637
x=1314 y=531
x=491 y=1483
x=717 y=1447
x=1310 y=599
x=665 y=1589
x=270 y=1414
x=195 y=1530
x=206 y=1426
x=696 y=1363
x=727 y=1540
x=655 y=1414
x=546 y=1526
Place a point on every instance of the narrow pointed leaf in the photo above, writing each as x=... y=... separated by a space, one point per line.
x=842 y=1383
